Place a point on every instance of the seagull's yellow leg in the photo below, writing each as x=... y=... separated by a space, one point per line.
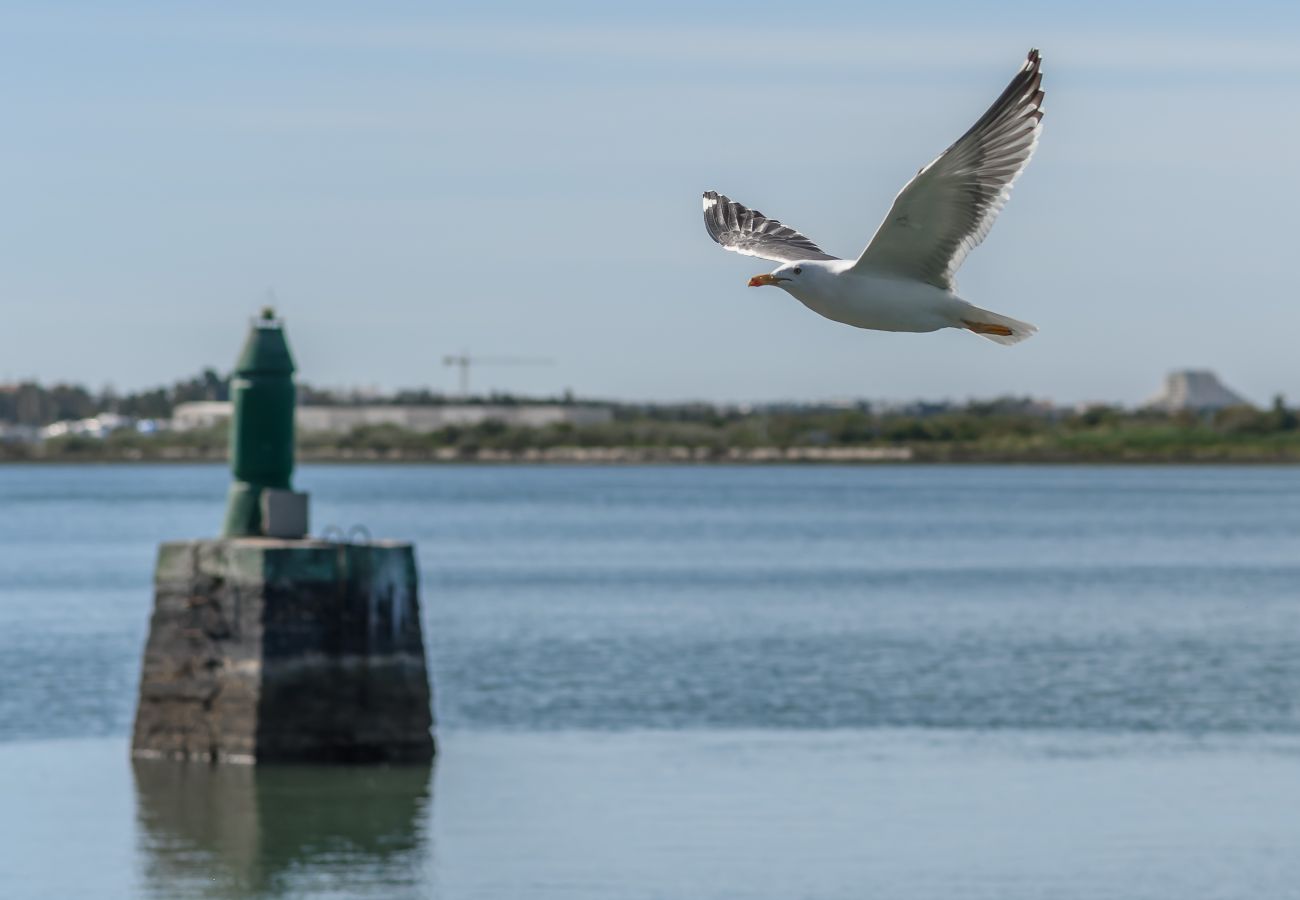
x=985 y=328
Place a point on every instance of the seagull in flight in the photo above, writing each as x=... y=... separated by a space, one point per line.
x=903 y=281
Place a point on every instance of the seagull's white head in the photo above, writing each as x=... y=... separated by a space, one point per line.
x=786 y=277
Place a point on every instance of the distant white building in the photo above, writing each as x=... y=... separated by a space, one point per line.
x=342 y=419
x=97 y=427
x=1197 y=390
x=13 y=433
x=199 y=414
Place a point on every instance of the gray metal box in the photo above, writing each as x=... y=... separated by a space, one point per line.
x=284 y=514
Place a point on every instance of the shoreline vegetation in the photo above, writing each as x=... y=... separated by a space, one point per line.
x=684 y=455
x=1005 y=430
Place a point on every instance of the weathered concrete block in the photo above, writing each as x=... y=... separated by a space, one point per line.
x=262 y=649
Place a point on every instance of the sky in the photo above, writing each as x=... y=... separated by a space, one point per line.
x=408 y=180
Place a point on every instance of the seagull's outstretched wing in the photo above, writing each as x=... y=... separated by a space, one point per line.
x=750 y=232
x=948 y=208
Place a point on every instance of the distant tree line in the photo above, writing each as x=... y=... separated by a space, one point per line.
x=30 y=403
x=1008 y=428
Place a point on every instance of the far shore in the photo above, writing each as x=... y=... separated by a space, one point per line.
x=945 y=454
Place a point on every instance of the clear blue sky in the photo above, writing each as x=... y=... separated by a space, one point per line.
x=524 y=179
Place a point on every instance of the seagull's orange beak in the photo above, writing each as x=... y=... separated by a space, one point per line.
x=765 y=278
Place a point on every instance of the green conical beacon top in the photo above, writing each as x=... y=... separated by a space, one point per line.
x=266 y=352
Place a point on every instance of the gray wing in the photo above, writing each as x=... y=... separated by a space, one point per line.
x=949 y=207
x=748 y=231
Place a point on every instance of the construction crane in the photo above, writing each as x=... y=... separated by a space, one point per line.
x=464 y=361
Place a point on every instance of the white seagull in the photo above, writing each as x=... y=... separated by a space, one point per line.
x=903 y=281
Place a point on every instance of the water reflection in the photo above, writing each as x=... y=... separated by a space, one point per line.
x=272 y=831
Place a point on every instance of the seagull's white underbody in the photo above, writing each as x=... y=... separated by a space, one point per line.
x=856 y=295
x=879 y=301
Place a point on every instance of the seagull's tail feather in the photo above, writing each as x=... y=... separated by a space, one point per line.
x=996 y=327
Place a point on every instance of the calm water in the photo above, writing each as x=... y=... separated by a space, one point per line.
x=705 y=682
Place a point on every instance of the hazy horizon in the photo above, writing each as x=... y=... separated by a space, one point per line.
x=451 y=393
x=411 y=183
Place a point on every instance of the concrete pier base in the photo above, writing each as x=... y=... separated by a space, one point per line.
x=264 y=650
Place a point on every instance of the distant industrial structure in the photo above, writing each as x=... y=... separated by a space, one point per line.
x=1195 y=390
x=463 y=361
x=423 y=419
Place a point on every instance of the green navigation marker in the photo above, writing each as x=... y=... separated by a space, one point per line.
x=261 y=428
x=266 y=645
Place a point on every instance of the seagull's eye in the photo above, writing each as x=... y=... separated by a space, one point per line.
x=797 y=270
